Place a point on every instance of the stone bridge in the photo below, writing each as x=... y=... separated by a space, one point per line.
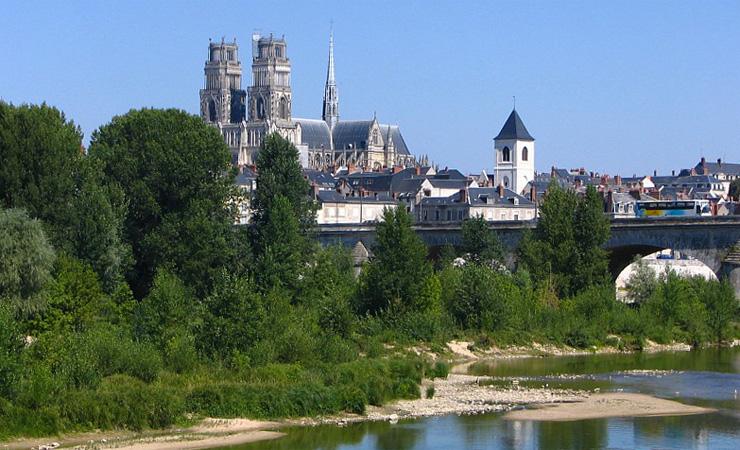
x=711 y=240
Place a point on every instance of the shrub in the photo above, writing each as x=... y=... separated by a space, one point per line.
x=430 y=391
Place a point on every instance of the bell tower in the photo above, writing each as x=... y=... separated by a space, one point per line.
x=269 y=104
x=514 y=155
x=222 y=99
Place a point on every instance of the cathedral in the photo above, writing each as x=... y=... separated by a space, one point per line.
x=246 y=117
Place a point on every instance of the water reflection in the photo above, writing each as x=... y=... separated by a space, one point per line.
x=586 y=434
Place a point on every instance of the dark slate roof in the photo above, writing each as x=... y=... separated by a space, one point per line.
x=514 y=129
x=336 y=197
x=322 y=179
x=352 y=133
x=245 y=177
x=449 y=184
x=315 y=133
x=476 y=196
x=407 y=185
x=664 y=180
x=699 y=179
x=371 y=181
x=450 y=174
x=395 y=134
x=715 y=168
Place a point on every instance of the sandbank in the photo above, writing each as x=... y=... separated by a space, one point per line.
x=597 y=406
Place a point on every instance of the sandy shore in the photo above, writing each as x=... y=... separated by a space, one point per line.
x=208 y=434
x=599 y=406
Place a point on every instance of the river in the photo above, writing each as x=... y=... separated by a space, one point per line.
x=709 y=378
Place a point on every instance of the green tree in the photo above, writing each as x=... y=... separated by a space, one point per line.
x=234 y=318
x=279 y=174
x=169 y=317
x=565 y=250
x=481 y=242
x=446 y=257
x=279 y=262
x=176 y=175
x=75 y=299
x=283 y=216
x=399 y=270
x=721 y=306
x=642 y=282
x=11 y=348
x=484 y=299
x=46 y=171
x=590 y=231
x=26 y=261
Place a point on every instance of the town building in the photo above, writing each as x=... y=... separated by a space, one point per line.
x=493 y=204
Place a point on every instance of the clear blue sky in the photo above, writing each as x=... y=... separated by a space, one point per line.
x=617 y=87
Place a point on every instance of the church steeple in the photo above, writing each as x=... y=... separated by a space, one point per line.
x=330 y=113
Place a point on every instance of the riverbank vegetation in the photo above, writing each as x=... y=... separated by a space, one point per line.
x=128 y=299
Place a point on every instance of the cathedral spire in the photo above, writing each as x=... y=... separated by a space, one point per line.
x=330 y=114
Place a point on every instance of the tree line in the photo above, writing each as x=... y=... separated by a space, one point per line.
x=128 y=298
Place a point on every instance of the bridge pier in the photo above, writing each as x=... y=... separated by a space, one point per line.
x=731 y=272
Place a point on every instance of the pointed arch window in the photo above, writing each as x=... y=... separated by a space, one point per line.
x=525 y=154
x=212 y=111
x=506 y=154
x=260 y=108
x=283 y=108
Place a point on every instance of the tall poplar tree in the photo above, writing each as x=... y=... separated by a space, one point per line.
x=284 y=215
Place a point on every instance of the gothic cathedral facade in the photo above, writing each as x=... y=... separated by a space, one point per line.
x=246 y=117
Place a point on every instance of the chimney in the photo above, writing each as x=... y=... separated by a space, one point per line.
x=719 y=162
x=533 y=193
x=655 y=173
x=464 y=195
x=418 y=170
x=703 y=165
x=396 y=169
x=618 y=180
x=673 y=173
x=693 y=171
x=501 y=190
x=351 y=167
x=553 y=172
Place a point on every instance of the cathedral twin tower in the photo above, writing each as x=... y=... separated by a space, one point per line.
x=246 y=117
